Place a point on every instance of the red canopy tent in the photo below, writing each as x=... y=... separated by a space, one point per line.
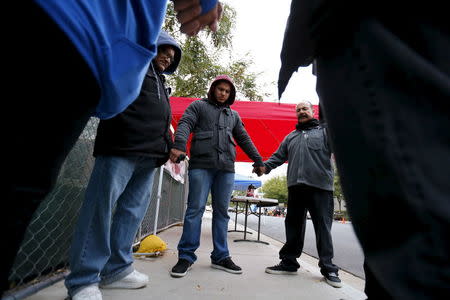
x=267 y=123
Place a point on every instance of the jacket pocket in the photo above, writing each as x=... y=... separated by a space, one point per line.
x=233 y=142
x=201 y=143
x=314 y=141
x=232 y=146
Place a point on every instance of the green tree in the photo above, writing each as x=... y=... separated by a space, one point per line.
x=209 y=54
x=276 y=188
x=239 y=193
x=337 y=193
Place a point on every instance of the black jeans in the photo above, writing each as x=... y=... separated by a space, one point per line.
x=52 y=94
x=319 y=203
x=386 y=98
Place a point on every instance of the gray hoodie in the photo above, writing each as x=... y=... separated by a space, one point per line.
x=309 y=158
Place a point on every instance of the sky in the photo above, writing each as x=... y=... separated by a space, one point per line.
x=259 y=32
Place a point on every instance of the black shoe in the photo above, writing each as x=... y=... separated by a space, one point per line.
x=228 y=265
x=181 y=268
x=333 y=279
x=282 y=269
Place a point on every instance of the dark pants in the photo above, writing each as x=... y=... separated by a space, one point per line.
x=52 y=94
x=386 y=98
x=319 y=203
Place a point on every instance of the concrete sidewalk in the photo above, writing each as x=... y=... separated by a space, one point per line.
x=204 y=282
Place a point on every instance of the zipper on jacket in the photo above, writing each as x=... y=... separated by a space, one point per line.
x=303 y=140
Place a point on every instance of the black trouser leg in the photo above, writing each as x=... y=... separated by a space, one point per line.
x=373 y=287
x=295 y=223
x=53 y=94
x=320 y=206
x=386 y=100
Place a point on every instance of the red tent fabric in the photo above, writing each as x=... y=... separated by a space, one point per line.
x=267 y=123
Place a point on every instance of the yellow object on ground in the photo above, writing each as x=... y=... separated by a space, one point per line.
x=152 y=244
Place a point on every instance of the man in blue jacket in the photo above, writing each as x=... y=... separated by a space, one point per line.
x=82 y=59
x=217 y=130
x=128 y=149
x=310 y=188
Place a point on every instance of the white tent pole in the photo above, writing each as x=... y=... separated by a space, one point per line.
x=158 y=198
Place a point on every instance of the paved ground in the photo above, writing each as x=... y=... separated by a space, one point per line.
x=203 y=282
x=348 y=254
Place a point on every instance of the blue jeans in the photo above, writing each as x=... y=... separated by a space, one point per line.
x=102 y=241
x=201 y=181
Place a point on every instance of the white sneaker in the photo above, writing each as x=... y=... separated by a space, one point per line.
x=90 y=292
x=134 y=280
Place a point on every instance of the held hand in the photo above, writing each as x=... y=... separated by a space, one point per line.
x=188 y=14
x=175 y=154
x=262 y=170
x=259 y=171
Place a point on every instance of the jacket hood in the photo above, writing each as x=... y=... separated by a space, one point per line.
x=218 y=79
x=166 y=39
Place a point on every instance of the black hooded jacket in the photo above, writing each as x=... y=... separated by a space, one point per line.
x=143 y=128
x=217 y=131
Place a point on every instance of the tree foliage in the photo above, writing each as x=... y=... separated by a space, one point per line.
x=337 y=193
x=276 y=188
x=209 y=54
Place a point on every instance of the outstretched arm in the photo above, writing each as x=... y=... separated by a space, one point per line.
x=244 y=141
x=184 y=129
x=278 y=158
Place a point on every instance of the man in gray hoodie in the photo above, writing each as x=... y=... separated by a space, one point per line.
x=310 y=188
x=217 y=130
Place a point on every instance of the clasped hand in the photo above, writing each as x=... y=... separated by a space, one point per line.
x=174 y=154
x=259 y=170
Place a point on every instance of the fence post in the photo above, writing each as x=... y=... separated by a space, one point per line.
x=158 y=198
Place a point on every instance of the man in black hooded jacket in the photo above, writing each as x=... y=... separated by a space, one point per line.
x=128 y=149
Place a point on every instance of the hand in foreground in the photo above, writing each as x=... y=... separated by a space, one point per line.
x=259 y=170
x=189 y=15
x=175 y=154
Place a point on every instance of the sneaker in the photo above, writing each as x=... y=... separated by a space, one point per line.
x=227 y=265
x=333 y=279
x=181 y=268
x=134 y=280
x=281 y=269
x=90 y=292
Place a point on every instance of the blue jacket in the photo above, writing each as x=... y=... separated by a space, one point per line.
x=118 y=41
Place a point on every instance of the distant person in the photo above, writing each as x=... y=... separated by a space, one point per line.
x=128 y=149
x=310 y=188
x=383 y=78
x=83 y=59
x=251 y=191
x=217 y=131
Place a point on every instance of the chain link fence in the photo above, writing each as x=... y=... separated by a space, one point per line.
x=43 y=256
